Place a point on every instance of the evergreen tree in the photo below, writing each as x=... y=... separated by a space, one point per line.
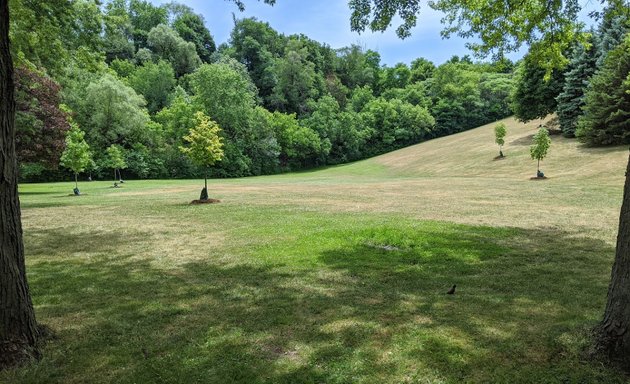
x=612 y=30
x=535 y=94
x=606 y=118
x=571 y=100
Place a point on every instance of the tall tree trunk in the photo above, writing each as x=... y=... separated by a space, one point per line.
x=18 y=330
x=613 y=333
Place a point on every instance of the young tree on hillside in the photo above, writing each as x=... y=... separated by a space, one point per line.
x=205 y=146
x=540 y=146
x=499 y=136
x=116 y=161
x=76 y=156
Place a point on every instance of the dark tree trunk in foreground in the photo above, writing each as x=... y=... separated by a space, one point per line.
x=613 y=333
x=18 y=330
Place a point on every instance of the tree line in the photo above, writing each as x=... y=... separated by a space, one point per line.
x=133 y=75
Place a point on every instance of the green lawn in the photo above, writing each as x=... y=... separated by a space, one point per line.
x=332 y=276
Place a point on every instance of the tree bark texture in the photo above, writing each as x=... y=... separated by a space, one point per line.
x=613 y=333
x=18 y=330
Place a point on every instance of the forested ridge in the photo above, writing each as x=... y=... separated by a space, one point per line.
x=133 y=76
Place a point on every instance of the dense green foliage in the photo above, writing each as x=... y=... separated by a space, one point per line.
x=571 y=99
x=500 y=26
x=135 y=74
x=606 y=118
x=535 y=94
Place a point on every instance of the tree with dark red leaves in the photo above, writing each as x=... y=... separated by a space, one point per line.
x=40 y=124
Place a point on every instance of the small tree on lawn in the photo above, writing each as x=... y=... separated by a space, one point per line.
x=76 y=156
x=116 y=160
x=205 y=146
x=499 y=136
x=540 y=146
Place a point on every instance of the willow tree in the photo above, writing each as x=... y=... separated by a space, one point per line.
x=18 y=329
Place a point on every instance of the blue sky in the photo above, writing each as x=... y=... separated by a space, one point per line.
x=328 y=21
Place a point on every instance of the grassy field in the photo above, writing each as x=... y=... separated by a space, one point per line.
x=336 y=275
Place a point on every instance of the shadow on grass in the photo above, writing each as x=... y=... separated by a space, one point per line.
x=525 y=140
x=53 y=200
x=372 y=311
x=36 y=193
x=602 y=149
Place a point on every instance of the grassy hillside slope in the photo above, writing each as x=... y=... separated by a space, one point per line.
x=335 y=275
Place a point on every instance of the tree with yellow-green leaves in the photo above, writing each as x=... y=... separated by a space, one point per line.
x=499 y=136
x=205 y=146
x=540 y=147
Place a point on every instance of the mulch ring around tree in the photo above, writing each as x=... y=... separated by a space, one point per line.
x=208 y=201
x=538 y=178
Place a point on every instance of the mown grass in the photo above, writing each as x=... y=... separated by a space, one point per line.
x=331 y=276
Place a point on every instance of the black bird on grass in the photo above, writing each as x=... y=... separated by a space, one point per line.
x=452 y=290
